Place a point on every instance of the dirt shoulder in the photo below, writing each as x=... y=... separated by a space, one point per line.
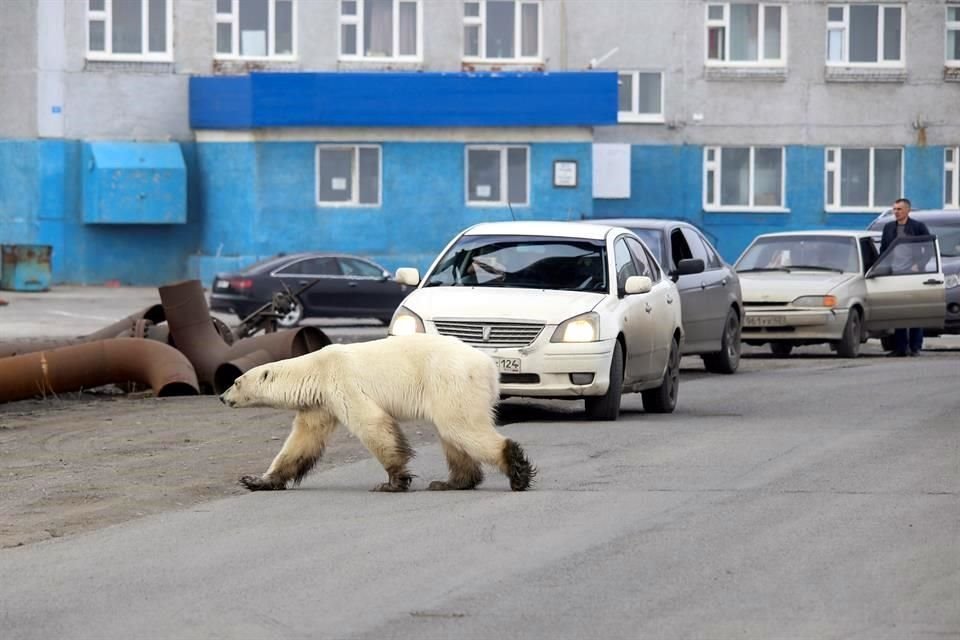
x=80 y=461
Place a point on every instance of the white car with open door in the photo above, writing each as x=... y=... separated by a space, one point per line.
x=809 y=287
x=566 y=309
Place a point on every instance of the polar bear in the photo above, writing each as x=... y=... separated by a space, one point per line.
x=369 y=387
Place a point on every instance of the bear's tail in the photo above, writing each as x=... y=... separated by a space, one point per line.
x=518 y=468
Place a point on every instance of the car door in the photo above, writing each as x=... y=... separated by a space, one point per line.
x=694 y=297
x=637 y=316
x=714 y=296
x=659 y=303
x=374 y=293
x=904 y=288
x=327 y=292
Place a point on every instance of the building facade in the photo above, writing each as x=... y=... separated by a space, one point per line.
x=152 y=140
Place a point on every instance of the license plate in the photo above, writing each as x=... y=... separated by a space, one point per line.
x=508 y=365
x=765 y=321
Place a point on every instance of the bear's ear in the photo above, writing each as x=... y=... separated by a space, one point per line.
x=264 y=376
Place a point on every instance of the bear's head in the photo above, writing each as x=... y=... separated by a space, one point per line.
x=271 y=385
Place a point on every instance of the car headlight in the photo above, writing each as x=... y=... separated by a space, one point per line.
x=405 y=322
x=951 y=281
x=815 y=301
x=582 y=328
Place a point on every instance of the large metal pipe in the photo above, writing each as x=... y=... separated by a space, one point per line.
x=188 y=317
x=137 y=325
x=268 y=347
x=92 y=364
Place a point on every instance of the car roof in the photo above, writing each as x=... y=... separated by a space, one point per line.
x=641 y=223
x=272 y=262
x=835 y=233
x=922 y=214
x=556 y=229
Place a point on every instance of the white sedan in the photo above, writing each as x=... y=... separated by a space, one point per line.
x=566 y=309
x=808 y=287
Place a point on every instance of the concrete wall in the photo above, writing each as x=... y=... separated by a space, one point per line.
x=18 y=69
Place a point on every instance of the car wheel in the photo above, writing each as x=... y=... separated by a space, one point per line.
x=849 y=344
x=607 y=406
x=663 y=399
x=728 y=358
x=781 y=348
x=293 y=317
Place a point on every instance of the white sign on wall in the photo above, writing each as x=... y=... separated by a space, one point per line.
x=611 y=170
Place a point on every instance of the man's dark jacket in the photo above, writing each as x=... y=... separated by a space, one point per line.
x=912 y=228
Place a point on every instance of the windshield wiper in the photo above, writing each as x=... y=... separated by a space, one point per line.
x=763 y=269
x=811 y=267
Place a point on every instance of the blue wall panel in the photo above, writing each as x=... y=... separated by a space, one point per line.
x=262 y=201
x=348 y=99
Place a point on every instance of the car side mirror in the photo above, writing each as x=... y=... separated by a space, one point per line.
x=637 y=284
x=384 y=276
x=686 y=267
x=408 y=276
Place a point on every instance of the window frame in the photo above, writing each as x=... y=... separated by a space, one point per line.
x=354 y=201
x=716 y=166
x=504 y=175
x=724 y=23
x=105 y=15
x=481 y=21
x=844 y=27
x=951 y=25
x=836 y=165
x=357 y=21
x=951 y=165
x=634 y=116
x=233 y=19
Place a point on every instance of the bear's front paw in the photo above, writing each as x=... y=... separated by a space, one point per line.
x=256 y=483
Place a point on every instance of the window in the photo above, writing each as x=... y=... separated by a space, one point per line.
x=130 y=30
x=743 y=34
x=865 y=34
x=502 y=30
x=623 y=263
x=743 y=178
x=311 y=267
x=255 y=29
x=951 y=178
x=641 y=96
x=360 y=269
x=646 y=266
x=953 y=36
x=497 y=175
x=380 y=29
x=348 y=175
x=863 y=178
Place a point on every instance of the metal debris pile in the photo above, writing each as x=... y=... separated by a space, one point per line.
x=176 y=348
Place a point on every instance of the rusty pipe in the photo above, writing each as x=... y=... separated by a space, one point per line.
x=188 y=317
x=92 y=364
x=269 y=347
x=135 y=325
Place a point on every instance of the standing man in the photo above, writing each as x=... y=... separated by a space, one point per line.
x=906 y=342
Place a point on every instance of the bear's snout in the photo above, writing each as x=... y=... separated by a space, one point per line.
x=224 y=400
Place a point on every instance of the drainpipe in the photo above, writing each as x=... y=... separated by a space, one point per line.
x=93 y=364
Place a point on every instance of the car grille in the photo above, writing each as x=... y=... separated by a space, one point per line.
x=490 y=334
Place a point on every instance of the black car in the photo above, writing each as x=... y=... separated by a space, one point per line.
x=346 y=287
x=945 y=224
x=711 y=300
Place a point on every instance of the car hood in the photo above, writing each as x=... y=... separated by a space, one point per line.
x=778 y=286
x=491 y=303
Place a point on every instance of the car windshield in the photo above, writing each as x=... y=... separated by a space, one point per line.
x=653 y=238
x=524 y=262
x=948 y=235
x=788 y=253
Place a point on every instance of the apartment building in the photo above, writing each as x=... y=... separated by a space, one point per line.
x=151 y=140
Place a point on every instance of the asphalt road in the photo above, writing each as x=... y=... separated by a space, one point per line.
x=808 y=498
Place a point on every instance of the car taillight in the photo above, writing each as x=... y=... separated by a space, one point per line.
x=241 y=284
